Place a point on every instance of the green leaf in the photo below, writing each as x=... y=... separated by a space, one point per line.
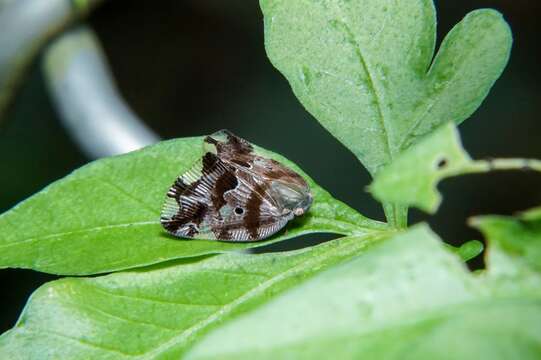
x=160 y=311
x=413 y=178
x=365 y=68
x=470 y=250
x=406 y=298
x=105 y=216
x=514 y=260
x=467 y=251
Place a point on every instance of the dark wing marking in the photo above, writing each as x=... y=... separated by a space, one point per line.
x=258 y=217
x=225 y=142
x=226 y=195
x=196 y=198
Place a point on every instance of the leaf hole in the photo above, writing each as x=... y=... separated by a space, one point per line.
x=442 y=163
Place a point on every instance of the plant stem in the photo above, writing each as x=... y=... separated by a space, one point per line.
x=484 y=166
x=397 y=215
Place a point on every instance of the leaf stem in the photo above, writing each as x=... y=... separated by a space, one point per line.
x=484 y=166
x=397 y=215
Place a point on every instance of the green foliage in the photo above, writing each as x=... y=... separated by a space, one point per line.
x=467 y=251
x=405 y=298
x=105 y=216
x=515 y=257
x=161 y=310
x=365 y=70
x=413 y=178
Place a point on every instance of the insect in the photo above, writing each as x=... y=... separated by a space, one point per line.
x=233 y=194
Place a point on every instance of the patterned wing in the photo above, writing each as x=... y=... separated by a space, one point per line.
x=214 y=200
x=287 y=188
x=250 y=212
x=187 y=211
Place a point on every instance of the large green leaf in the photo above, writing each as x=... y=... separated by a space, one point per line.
x=104 y=216
x=412 y=179
x=158 y=312
x=406 y=298
x=364 y=68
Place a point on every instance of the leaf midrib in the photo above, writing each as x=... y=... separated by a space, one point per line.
x=41 y=331
x=371 y=81
x=155 y=222
x=81 y=231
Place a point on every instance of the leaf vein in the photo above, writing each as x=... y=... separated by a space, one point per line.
x=130 y=196
x=81 y=231
x=97 y=310
x=141 y=298
x=76 y=340
x=371 y=83
x=259 y=289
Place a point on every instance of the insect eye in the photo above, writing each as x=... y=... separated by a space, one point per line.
x=239 y=211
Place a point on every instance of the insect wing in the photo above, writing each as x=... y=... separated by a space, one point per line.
x=188 y=210
x=214 y=200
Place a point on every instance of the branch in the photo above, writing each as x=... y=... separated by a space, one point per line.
x=25 y=26
x=87 y=100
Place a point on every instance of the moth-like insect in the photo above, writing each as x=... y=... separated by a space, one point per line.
x=233 y=194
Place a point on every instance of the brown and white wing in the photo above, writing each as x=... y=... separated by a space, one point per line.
x=214 y=200
x=250 y=213
x=192 y=200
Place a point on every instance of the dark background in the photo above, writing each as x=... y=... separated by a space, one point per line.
x=192 y=67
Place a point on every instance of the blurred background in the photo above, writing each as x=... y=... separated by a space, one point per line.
x=195 y=66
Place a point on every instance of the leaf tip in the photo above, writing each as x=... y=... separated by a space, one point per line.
x=488 y=17
x=471 y=249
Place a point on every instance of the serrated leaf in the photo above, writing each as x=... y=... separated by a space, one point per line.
x=406 y=298
x=413 y=177
x=365 y=68
x=105 y=216
x=160 y=311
